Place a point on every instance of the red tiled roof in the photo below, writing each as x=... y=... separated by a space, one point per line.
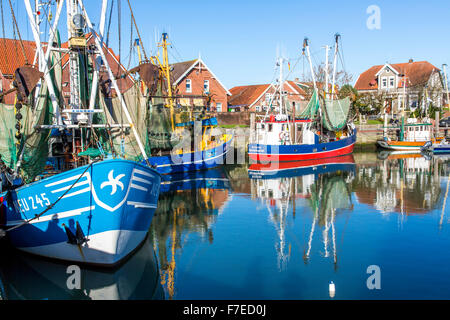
x=417 y=73
x=246 y=95
x=11 y=55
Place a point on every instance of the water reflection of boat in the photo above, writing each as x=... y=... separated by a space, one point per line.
x=322 y=182
x=389 y=154
x=31 y=278
x=300 y=168
x=189 y=203
x=211 y=179
x=402 y=183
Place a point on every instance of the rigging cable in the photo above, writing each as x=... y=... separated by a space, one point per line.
x=18 y=32
x=50 y=206
x=3 y=31
x=109 y=23
x=137 y=30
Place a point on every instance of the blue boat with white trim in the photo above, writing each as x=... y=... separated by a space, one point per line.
x=73 y=187
x=96 y=214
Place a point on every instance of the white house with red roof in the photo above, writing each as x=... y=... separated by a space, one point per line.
x=416 y=82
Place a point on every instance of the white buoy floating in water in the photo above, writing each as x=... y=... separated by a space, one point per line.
x=332 y=289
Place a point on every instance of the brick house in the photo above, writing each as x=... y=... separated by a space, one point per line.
x=256 y=98
x=12 y=57
x=416 y=82
x=194 y=78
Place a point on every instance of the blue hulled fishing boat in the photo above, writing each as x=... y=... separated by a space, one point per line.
x=76 y=184
x=196 y=143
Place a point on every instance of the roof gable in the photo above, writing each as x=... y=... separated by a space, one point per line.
x=182 y=69
x=418 y=73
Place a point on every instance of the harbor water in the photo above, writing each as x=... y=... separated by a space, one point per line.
x=376 y=226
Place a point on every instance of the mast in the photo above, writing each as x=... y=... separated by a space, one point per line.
x=97 y=62
x=327 y=48
x=113 y=80
x=73 y=33
x=281 y=85
x=336 y=37
x=306 y=46
x=166 y=70
x=402 y=129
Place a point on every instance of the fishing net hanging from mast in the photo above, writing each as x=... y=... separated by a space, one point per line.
x=335 y=113
x=137 y=107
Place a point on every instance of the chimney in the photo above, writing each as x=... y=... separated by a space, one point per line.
x=410 y=60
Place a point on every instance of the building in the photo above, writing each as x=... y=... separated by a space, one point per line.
x=193 y=79
x=416 y=82
x=12 y=56
x=257 y=98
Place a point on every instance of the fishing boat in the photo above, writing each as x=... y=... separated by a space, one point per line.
x=76 y=182
x=202 y=152
x=178 y=146
x=412 y=136
x=322 y=130
x=409 y=136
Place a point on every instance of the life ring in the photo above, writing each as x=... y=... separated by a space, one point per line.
x=282 y=135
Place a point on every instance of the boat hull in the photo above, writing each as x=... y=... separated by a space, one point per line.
x=441 y=149
x=401 y=145
x=405 y=145
x=192 y=161
x=278 y=153
x=112 y=202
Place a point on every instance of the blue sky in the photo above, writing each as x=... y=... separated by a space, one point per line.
x=240 y=40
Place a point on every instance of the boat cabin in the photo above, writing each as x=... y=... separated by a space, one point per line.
x=417 y=132
x=279 y=130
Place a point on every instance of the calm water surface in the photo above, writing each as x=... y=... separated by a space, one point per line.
x=230 y=234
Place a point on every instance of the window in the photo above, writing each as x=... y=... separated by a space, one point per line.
x=270 y=127
x=257 y=108
x=384 y=82
x=188 y=86
x=391 y=82
x=219 y=107
x=206 y=86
